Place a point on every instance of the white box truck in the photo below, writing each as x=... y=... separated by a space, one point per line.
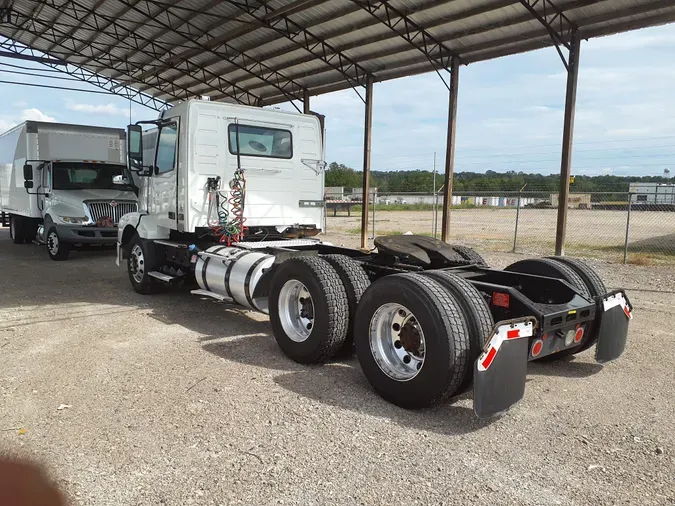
x=64 y=185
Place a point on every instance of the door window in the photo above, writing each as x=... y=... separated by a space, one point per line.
x=166 y=149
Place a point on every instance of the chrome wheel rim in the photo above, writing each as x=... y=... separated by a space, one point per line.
x=397 y=342
x=137 y=263
x=296 y=310
x=53 y=243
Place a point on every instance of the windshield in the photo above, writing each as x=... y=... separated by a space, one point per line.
x=86 y=176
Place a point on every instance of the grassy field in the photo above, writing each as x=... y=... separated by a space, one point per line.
x=597 y=234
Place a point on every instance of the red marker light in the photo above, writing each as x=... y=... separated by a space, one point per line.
x=579 y=335
x=537 y=347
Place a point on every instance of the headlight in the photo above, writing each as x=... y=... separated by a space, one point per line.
x=73 y=220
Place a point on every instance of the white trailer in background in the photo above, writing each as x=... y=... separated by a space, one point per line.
x=652 y=193
x=63 y=185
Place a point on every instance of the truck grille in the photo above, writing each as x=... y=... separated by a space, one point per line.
x=113 y=209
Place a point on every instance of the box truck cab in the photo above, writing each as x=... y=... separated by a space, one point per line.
x=64 y=185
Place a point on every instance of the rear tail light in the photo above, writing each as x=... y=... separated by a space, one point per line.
x=579 y=335
x=537 y=347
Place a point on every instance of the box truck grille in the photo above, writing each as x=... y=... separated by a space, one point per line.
x=113 y=209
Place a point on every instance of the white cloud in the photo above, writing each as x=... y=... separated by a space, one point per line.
x=34 y=114
x=6 y=124
x=110 y=109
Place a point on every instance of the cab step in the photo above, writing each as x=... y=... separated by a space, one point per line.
x=206 y=293
x=165 y=277
x=171 y=244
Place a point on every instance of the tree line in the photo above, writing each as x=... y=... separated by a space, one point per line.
x=422 y=181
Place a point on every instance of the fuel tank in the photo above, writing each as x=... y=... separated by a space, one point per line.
x=233 y=273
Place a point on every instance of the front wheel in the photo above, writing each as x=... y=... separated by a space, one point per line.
x=139 y=264
x=58 y=250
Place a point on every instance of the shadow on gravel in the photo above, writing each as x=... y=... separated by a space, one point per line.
x=566 y=368
x=344 y=386
x=340 y=383
x=259 y=350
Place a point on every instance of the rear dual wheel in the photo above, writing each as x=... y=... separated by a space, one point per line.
x=309 y=309
x=578 y=274
x=412 y=340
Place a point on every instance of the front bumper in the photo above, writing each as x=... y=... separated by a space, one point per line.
x=87 y=235
x=500 y=372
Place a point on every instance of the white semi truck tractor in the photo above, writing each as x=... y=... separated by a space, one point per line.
x=231 y=205
x=64 y=185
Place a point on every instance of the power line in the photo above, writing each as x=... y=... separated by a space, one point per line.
x=57 y=87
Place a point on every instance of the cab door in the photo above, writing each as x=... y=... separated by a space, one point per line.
x=163 y=195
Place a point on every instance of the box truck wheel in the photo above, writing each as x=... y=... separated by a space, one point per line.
x=17 y=229
x=58 y=249
x=140 y=263
x=411 y=340
x=309 y=310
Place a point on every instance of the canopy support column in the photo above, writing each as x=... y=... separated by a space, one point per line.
x=450 y=149
x=568 y=137
x=367 y=130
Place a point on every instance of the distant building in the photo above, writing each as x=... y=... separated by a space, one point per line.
x=574 y=201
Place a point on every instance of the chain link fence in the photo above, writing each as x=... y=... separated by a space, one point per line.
x=615 y=226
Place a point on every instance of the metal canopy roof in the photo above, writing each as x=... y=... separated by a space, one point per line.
x=262 y=53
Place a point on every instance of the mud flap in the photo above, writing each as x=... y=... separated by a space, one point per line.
x=499 y=373
x=119 y=254
x=615 y=312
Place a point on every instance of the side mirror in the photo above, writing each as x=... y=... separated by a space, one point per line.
x=121 y=180
x=135 y=147
x=28 y=173
x=27 y=184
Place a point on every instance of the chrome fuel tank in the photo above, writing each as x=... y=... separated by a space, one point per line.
x=233 y=273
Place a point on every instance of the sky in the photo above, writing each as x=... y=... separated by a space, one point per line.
x=510 y=111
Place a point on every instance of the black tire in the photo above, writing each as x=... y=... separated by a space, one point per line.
x=469 y=254
x=139 y=263
x=446 y=341
x=593 y=281
x=329 y=310
x=355 y=281
x=554 y=269
x=31 y=231
x=596 y=287
x=58 y=250
x=17 y=229
x=477 y=315
x=551 y=269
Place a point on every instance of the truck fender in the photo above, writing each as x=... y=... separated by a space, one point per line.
x=141 y=223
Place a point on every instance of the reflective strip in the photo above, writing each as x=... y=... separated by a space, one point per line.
x=617 y=300
x=501 y=334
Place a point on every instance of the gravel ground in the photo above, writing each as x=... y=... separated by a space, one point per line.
x=173 y=400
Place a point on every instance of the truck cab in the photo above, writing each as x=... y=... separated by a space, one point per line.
x=200 y=157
